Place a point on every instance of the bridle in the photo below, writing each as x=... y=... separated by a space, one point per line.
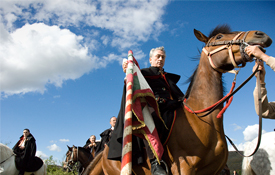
x=228 y=45
x=225 y=45
x=71 y=162
x=229 y=97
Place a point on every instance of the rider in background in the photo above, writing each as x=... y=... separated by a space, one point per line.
x=25 y=150
x=106 y=136
x=267 y=107
x=91 y=144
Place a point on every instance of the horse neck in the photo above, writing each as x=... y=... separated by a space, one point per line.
x=207 y=86
x=84 y=156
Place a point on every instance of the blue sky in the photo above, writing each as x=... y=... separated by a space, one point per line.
x=61 y=73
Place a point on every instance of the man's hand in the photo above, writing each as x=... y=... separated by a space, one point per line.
x=124 y=65
x=92 y=144
x=256 y=52
x=262 y=71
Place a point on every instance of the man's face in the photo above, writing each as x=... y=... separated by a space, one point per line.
x=158 y=59
x=113 y=121
x=92 y=139
x=26 y=133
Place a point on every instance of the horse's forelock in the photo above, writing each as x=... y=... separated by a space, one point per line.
x=225 y=29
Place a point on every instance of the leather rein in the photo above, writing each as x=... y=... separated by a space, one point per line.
x=7 y=159
x=229 y=97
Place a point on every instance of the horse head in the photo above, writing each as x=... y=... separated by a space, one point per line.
x=69 y=160
x=225 y=49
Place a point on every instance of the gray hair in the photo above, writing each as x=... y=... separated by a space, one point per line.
x=154 y=49
x=112 y=117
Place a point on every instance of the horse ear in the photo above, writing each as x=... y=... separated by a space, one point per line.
x=69 y=148
x=200 y=36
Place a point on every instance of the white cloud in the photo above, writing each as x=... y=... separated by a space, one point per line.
x=64 y=140
x=36 y=49
x=130 y=20
x=38 y=55
x=105 y=39
x=251 y=132
x=41 y=154
x=236 y=127
x=54 y=147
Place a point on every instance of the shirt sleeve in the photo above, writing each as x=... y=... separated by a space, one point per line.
x=271 y=63
x=268 y=108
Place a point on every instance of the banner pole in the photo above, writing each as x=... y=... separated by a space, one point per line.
x=126 y=160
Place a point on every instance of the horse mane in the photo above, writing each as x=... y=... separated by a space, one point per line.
x=94 y=162
x=225 y=29
x=5 y=151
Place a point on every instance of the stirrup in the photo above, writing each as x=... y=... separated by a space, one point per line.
x=161 y=161
x=166 y=167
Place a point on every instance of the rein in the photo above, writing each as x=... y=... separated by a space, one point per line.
x=7 y=159
x=230 y=96
x=225 y=98
x=260 y=119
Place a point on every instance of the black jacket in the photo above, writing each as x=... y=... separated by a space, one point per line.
x=105 y=138
x=88 y=142
x=25 y=159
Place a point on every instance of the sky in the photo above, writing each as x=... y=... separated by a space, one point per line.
x=61 y=73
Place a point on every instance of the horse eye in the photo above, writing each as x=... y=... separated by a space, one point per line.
x=219 y=37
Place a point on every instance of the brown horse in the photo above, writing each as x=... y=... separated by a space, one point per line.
x=197 y=145
x=77 y=154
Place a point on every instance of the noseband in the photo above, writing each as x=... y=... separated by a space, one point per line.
x=228 y=45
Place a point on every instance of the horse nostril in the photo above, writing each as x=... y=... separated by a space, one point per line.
x=259 y=33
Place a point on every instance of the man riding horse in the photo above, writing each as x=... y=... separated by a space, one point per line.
x=25 y=150
x=168 y=96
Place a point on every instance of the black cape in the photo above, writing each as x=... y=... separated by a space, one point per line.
x=105 y=138
x=25 y=159
x=88 y=142
x=163 y=88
